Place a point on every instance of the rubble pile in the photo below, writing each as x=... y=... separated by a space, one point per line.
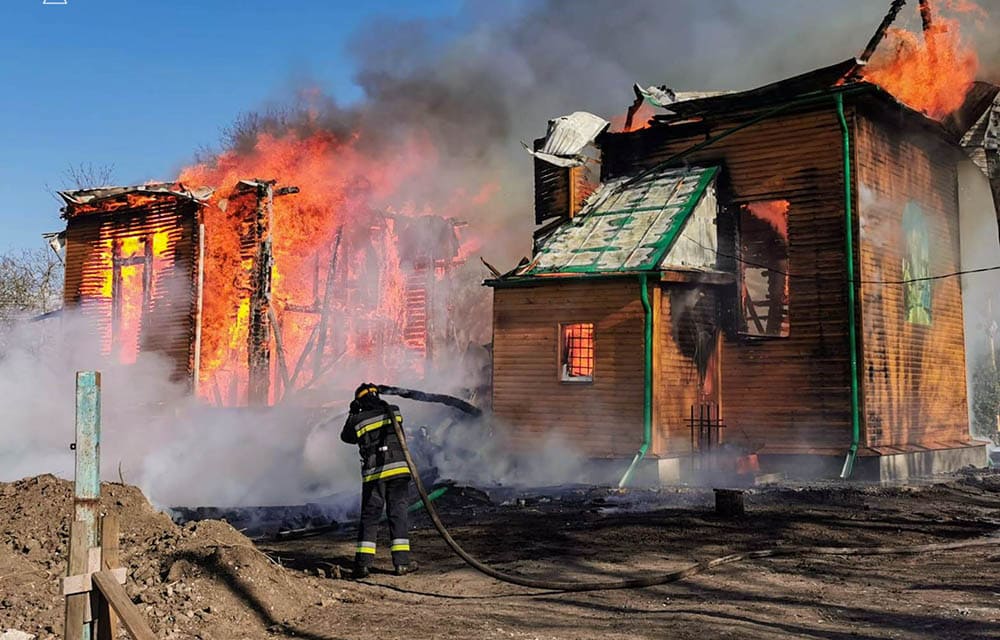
x=202 y=580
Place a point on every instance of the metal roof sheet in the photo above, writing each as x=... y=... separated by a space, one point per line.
x=89 y=196
x=567 y=137
x=628 y=224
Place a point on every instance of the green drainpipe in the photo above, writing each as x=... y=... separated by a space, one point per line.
x=647 y=371
x=851 y=303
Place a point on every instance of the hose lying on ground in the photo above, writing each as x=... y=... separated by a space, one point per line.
x=658 y=579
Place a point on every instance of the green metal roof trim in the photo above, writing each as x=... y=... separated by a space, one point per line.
x=628 y=225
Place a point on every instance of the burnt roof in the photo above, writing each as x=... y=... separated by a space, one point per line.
x=175 y=189
x=767 y=95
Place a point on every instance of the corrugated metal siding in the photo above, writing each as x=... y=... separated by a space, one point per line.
x=787 y=395
x=914 y=375
x=603 y=418
x=168 y=326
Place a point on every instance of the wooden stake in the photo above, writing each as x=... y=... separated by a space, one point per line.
x=76 y=605
x=107 y=621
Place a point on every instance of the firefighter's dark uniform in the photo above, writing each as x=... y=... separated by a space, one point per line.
x=385 y=481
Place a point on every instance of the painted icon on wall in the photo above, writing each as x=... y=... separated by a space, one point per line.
x=916 y=265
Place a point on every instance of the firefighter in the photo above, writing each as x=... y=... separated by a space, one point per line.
x=385 y=478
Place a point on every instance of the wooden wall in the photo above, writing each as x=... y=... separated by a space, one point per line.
x=780 y=395
x=685 y=332
x=168 y=326
x=914 y=384
x=600 y=419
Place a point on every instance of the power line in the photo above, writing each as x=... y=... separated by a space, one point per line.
x=813 y=276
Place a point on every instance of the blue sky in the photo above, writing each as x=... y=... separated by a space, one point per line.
x=142 y=84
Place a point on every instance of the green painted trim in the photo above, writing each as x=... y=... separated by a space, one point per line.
x=647 y=382
x=541 y=281
x=852 y=452
x=618 y=212
x=659 y=248
x=667 y=240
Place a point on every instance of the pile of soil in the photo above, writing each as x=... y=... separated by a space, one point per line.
x=202 y=580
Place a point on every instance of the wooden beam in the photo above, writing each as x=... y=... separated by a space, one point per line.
x=279 y=344
x=76 y=605
x=87 y=472
x=107 y=621
x=325 y=310
x=259 y=334
x=118 y=600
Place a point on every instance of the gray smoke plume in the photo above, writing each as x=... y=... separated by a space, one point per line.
x=475 y=84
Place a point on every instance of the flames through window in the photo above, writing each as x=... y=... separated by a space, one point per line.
x=764 y=268
x=577 y=352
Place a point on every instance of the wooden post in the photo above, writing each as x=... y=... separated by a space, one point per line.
x=199 y=304
x=259 y=338
x=76 y=605
x=87 y=486
x=88 y=451
x=107 y=621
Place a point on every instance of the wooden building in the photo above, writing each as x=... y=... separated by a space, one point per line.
x=754 y=260
x=187 y=275
x=131 y=257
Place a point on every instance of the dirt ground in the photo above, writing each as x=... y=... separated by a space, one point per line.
x=204 y=581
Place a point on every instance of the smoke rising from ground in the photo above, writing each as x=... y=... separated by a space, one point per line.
x=474 y=85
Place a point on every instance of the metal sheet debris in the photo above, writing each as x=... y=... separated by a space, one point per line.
x=567 y=137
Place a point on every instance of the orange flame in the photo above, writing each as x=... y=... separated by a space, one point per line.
x=343 y=189
x=931 y=73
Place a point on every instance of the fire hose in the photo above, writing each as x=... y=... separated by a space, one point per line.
x=652 y=580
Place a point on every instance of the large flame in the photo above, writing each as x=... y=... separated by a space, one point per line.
x=345 y=193
x=933 y=71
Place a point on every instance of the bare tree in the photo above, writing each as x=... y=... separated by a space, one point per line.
x=88 y=175
x=30 y=284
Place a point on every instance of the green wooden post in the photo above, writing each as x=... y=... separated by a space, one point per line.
x=87 y=498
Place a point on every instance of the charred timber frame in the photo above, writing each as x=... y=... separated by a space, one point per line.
x=259 y=334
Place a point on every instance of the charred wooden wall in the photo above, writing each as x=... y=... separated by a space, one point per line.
x=602 y=418
x=914 y=385
x=168 y=325
x=792 y=394
x=684 y=372
x=560 y=191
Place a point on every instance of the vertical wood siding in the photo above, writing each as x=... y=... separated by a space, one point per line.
x=168 y=326
x=781 y=395
x=914 y=374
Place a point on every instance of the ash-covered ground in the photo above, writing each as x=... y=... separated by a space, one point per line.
x=207 y=580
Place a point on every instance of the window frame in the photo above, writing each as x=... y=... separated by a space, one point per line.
x=742 y=266
x=561 y=352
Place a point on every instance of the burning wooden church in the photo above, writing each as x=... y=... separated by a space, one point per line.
x=247 y=307
x=755 y=269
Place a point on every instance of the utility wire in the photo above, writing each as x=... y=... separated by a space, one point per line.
x=813 y=276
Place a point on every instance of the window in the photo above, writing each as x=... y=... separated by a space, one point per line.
x=764 y=268
x=576 y=355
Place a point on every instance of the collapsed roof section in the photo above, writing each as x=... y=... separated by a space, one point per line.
x=567 y=137
x=633 y=225
x=82 y=201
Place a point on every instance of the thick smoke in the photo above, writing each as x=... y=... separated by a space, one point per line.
x=474 y=84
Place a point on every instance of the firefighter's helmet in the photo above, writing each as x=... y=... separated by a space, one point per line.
x=366 y=390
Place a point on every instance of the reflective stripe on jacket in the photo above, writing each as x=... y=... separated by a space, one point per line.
x=381 y=452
